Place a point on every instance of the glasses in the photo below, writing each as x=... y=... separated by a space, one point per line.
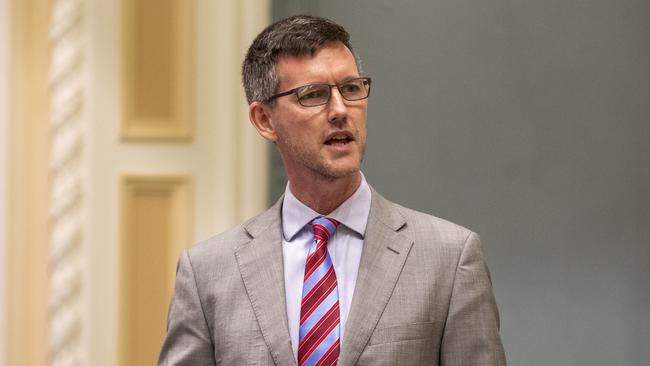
x=313 y=95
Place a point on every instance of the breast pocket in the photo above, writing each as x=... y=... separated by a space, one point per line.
x=413 y=344
x=402 y=332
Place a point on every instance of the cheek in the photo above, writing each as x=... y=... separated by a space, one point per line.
x=296 y=136
x=361 y=126
x=296 y=125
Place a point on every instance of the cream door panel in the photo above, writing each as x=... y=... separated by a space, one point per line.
x=171 y=156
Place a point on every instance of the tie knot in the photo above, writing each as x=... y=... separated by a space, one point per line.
x=324 y=227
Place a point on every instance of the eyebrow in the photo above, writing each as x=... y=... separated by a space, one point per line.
x=341 y=81
x=350 y=78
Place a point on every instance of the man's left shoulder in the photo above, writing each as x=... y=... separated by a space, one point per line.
x=421 y=226
x=428 y=224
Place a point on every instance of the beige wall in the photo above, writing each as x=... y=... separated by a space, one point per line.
x=27 y=197
x=4 y=122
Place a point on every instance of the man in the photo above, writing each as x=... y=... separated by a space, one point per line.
x=333 y=273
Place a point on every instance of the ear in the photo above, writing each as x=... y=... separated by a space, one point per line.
x=260 y=116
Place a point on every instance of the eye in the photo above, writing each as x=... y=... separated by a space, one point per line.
x=353 y=88
x=311 y=92
x=350 y=87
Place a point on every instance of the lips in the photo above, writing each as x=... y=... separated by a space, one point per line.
x=337 y=138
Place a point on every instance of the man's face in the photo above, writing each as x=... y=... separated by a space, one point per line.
x=326 y=141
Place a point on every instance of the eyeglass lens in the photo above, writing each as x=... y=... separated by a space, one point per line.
x=318 y=94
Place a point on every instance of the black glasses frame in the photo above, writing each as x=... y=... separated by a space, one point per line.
x=337 y=86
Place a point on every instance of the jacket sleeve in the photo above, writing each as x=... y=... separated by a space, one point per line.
x=471 y=333
x=188 y=341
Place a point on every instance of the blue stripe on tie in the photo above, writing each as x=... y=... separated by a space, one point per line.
x=326 y=223
x=320 y=311
x=323 y=347
x=319 y=273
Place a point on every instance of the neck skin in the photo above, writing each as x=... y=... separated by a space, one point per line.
x=324 y=195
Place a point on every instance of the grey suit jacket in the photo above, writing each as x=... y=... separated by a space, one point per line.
x=423 y=297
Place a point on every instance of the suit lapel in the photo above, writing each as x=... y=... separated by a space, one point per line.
x=385 y=250
x=261 y=268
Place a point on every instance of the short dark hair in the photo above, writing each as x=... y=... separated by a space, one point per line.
x=297 y=35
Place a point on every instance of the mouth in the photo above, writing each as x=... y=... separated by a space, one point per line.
x=339 y=139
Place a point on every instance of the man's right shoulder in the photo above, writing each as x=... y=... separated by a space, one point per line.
x=215 y=256
x=222 y=247
x=222 y=243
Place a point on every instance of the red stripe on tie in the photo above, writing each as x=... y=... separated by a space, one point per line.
x=317 y=341
x=323 y=323
x=330 y=357
x=315 y=259
x=317 y=295
x=321 y=232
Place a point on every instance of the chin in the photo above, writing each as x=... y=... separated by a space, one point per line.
x=344 y=168
x=339 y=172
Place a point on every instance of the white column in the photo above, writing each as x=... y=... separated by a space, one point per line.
x=67 y=83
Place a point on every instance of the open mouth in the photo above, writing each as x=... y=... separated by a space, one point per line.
x=338 y=140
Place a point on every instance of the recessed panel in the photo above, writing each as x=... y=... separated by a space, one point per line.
x=155 y=227
x=158 y=58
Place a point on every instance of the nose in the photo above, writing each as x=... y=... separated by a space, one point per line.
x=337 y=109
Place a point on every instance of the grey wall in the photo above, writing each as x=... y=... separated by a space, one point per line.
x=527 y=121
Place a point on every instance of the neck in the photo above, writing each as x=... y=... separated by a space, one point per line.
x=325 y=195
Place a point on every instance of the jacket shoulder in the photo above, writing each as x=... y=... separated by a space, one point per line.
x=220 y=248
x=427 y=223
x=226 y=241
x=424 y=227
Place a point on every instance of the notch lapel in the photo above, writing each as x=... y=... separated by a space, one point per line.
x=261 y=268
x=385 y=250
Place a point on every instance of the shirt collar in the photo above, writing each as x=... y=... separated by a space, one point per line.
x=353 y=213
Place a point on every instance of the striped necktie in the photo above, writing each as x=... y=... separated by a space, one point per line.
x=319 y=342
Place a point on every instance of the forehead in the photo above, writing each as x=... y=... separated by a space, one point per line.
x=331 y=63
